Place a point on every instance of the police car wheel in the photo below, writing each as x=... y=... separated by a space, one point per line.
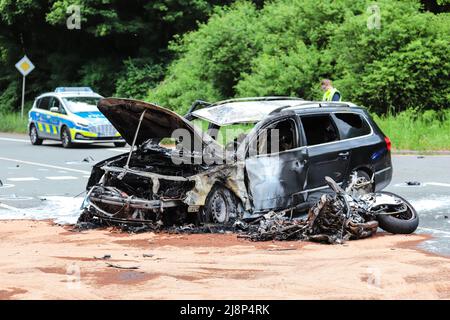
x=65 y=138
x=34 y=137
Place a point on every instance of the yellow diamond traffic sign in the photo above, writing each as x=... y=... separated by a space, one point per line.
x=25 y=66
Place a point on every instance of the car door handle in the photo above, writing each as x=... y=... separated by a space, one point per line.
x=344 y=154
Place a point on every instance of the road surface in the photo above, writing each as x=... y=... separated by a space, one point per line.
x=43 y=182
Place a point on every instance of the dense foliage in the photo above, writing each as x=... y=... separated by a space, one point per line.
x=173 y=52
x=121 y=45
x=286 y=47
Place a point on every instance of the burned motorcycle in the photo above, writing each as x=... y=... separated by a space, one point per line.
x=353 y=213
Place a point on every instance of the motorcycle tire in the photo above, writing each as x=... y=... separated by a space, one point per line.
x=399 y=224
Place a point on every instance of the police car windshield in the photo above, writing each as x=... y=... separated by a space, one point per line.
x=81 y=104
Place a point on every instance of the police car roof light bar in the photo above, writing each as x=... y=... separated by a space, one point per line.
x=73 y=89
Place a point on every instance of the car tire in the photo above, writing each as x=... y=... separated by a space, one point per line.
x=66 y=139
x=361 y=174
x=397 y=225
x=221 y=206
x=34 y=136
x=120 y=144
x=366 y=176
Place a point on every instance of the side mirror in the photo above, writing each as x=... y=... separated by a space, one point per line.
x=54 y=109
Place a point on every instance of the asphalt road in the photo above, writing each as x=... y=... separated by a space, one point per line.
x=36 y=178
x=43 y=182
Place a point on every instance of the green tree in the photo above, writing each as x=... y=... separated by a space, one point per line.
x=287 y=46
x=112 y=31
x=210 y=60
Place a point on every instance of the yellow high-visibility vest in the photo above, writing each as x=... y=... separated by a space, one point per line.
x=328 y=95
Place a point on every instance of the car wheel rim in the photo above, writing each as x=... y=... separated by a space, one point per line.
x=65 y=138
x=33 y=135
x=219 y=209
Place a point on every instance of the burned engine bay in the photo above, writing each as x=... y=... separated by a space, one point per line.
x=141 y=186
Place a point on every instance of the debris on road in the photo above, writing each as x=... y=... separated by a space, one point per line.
x=413 y=183
x=353 y=213
x=326 y=222
x=88 y=159
x=105 y=257
x=122 y=267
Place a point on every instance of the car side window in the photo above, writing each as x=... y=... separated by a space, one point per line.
x=351 y=125
x=43 y=103
x=278 y=137
x=319 y=129
x=57 y=104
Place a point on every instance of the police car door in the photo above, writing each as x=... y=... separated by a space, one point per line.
x=43 y=117
x=56 y=110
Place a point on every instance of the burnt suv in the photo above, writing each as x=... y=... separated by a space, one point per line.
x=232 y=159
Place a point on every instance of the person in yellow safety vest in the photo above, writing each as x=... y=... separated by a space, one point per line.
x=331 y=93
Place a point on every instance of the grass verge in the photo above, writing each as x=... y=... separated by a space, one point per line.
x=417 y=130
x=12 y=122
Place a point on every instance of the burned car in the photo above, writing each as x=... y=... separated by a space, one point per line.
x=233 y=159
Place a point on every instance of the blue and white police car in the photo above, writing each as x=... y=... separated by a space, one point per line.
x=70 y=115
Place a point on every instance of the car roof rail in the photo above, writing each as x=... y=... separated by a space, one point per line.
x=333 y=104
x=301 y=104
x=271 y=98
x=319 y=104
x=198 y=104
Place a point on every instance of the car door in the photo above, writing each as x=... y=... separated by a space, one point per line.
x=43 y=117
x=326 y=155
x=56 y=110
x=276 y=174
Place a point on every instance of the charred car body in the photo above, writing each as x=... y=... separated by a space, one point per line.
x=178 y=172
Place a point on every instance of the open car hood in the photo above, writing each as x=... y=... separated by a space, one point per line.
x=158 y=122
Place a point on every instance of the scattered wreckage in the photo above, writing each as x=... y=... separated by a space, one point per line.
x=350 y=214
x=252 y=182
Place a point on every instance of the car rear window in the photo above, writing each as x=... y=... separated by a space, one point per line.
x=319 y=129
x=351 y=125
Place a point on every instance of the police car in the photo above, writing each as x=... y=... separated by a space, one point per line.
x=71 y=116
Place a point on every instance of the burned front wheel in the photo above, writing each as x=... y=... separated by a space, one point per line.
x=402 y=220
x=221 y=206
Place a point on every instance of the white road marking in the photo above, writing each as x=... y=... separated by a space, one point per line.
x=121 y=150
x=45 y=165
x=7 y=185
x=3 y=205
x=14 y=140
x=23 y=179
x=62 y=178
x=14 y=198
x=435 y=230
x=439 y=184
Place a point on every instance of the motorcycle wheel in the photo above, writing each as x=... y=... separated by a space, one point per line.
x=402 y=223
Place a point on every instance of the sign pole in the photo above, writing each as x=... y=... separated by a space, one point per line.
x=23 y=97
x=25 y=66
